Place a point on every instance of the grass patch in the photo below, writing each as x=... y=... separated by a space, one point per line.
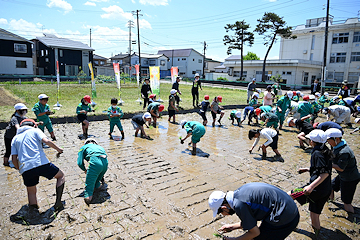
x=71 y=94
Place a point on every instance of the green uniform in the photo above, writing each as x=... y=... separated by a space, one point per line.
x=171 y=100
x=153 y=106
x=233 y=116
x=305 y=109
x=253 y=102
x=283 y=103
x=98 y=163
x=276 y=89
x=265 y=108
x=341 y=102
x=273 y=120
x=316 y=107
x=81 y=106
x=296 y=98
x=115 y=120
x=39 y=108
x=322 y=100
x=197 y=129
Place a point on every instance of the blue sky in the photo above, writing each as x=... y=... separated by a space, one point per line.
x=164 y=24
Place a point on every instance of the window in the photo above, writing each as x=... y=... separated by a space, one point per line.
x=146 y=62
x=46 y=52
x=181 y=73
x=102 y=62
x=193 y=72
x=47 y=60
x=286 y=73
x=96 y=62
x=20 y=64
x=178 y=59
x=200 y=60
x=42 y=53
x=313 y=42
x=61 y=53
x=237 y=74
x=193 y=60
x=152 y=62
x=162 y=62
x=183 y=59
x=353 y=77
x=340 y=38
x=355 y=57
x=311 y=57
x=71 y=70
x=336 y=76
x=338 y=57
x=306 y=78
x=20 y=48
x=356 y=37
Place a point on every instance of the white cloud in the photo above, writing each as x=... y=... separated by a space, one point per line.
x=154 y=2
x=90 y=4
x=116 y=12
x=60 y=4
x=99 y=0
x=3 y=21
x=133 y=1
x=28 y=29
x=272 y=0
x=144 y=24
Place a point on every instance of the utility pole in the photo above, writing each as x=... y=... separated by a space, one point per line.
x=90 y=37
x=325 y=47
x=131 y=25
x=138 y=33
x=204 y=60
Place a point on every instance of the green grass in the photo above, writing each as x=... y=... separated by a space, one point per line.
x=71 y=94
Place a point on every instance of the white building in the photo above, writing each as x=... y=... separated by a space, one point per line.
x=343 y=49
x=189 y=61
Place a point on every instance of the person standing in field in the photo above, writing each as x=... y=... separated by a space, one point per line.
x=42 y=112
x=195 y=90
x=145 y=91
x=82 y=110
x=172 y=107
x=251 y=89
x=114 y=114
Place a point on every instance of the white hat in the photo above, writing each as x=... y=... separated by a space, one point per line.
x=317 y=135
x=298 y=92
x=173 y=91
x=326 y=93
x=197 y=75
x=20 y=106
x=146 y=115
x=258 y=90
x=290 y=119
x=333 y=132
x=311 y=97
x=357 y=120
x=254 y=79
x=238 y=115
x=289 y=94
x=336 y=97
x=89 y=140
x=42 y=96
x=262 y=115
x=215 y=200
x=183 y=122
x=317 y=94
x=256 y=95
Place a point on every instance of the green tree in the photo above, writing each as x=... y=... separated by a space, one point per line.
x=271 y=26
x=276 y=78
x=241 y=36
x=251 y=56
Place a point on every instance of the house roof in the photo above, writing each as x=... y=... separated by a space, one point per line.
x=120 y=56
x=51 y=40
x=99 y=57
x=178 y=52
x=212 y=60
x=5 y=35
x=146 y=55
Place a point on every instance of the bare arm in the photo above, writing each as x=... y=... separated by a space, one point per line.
x=188 y=135
x=52 y=145
x=308 y=189
x=306 y=117
x=336 y=167
x=251 y=234
x=15 y=161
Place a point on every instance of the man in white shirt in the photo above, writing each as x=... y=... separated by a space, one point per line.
x=272 y=141
x=340 y=114
x=29 y=158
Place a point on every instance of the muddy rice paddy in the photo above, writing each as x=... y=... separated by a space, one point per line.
x=157 y=190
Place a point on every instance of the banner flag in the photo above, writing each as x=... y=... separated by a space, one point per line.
x=58 y=80
x=117 y=75
x=174 y=74
x=93 y=87
x=137 y=74
x=155 y=79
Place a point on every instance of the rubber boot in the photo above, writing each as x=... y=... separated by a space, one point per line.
x=85 y=134
x=263 y=157
x=53 y=138
x=122 y=135
x=111 y=137
x=59 y=191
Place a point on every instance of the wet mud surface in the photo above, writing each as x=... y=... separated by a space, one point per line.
x=158 y=190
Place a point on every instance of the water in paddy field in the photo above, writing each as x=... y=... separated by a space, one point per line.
x=155 y=189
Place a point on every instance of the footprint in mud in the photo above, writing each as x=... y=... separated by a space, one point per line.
x=199 y=153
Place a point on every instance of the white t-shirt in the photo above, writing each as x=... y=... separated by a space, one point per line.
x=268 y=134
x=27 y=144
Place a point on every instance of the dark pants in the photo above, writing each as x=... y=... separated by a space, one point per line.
x=146 y=100
x=195 y=95
x=347 y=188
x=7 y=147
x=177 y=99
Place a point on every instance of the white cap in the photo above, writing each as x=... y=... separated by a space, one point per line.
x=317 y=94
x=357 y=120
x=254 y=79
x=258 y=90
x=183 y=122
x=256 y=95
x=289 y=94
x=89 y=140
x=146 y=115
x=173 y=91
x=262 y=115
x=197 y=75
x=326 y=93
x=238 y=115
x=215 y=200
x=20 y=106
x=333 y=132
x=298 y=92
x=290 y=119
x=42 y=96
x=311 y=97
x=317 y=135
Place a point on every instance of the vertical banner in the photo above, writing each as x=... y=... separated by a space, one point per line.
x=137 y=74
x=117 y=75
x=58 y=83
x=155 y=79
x=174 y=74
x=93 y=87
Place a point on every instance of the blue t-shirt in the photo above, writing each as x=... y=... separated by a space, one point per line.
x=27 y=144
x=326 y=125
x=204 y=106
x=263 y=202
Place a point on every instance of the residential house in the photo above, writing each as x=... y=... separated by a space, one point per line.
x=149 y=60
x=211 y=64
x=102 y=66
x=70 y=54
x=15 y=54
x=189 y=61
x=343 y=49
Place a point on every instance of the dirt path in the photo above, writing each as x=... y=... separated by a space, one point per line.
x=157 y=190
x=7 y=99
